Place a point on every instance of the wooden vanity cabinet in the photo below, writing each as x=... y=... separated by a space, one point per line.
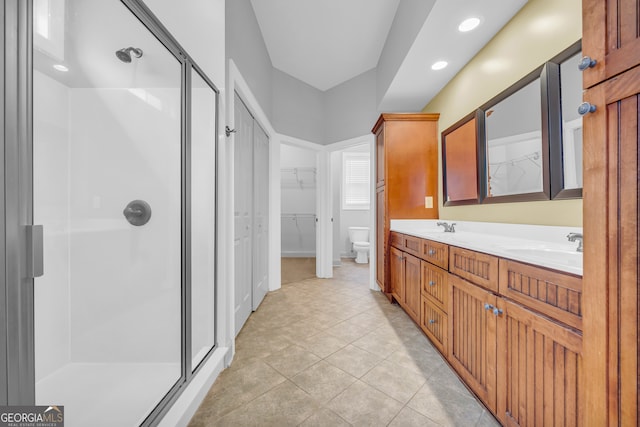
x=479 y=268
x=412 y=286
x=538 y=369
x=472 y=338
x=396 y=274
x=405 y=277
x=406 y=172
x=524 y=366
x=511 y=330
x=551 y=293
x=612 y=252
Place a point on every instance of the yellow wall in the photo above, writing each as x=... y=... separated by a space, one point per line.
x=541 y=30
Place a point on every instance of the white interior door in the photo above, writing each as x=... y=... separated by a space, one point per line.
x=261 y=215
x=243 y=183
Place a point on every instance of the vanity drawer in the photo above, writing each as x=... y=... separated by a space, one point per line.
x=476 y=267
x=412 y=245
x=552 y=293
x=397 y=240
x=433 y=322
x=434 y=284
x=435 y=252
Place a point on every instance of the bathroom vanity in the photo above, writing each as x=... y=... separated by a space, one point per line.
x=503 y=304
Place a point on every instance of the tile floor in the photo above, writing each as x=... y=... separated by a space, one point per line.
x=297 y=269
x=331 y=352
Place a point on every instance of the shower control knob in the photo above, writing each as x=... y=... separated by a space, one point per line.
x=586 y=108
x=137 y=212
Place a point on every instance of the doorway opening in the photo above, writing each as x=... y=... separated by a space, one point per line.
x=351 y=213
x=299 y=182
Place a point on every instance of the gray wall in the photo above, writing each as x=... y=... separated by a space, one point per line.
x=350 y=108
x=297 y=108
x=244 y=44
x=410 y=17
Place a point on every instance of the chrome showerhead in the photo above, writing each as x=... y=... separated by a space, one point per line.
x=124 y=55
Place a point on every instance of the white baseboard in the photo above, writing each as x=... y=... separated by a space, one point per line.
x=310 y=254
x=187 y=404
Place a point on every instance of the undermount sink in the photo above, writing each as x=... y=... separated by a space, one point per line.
x=554 y=255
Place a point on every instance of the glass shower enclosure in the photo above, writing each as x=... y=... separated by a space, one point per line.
x=124 y=186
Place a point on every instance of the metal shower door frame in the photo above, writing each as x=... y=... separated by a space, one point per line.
x=17 y=350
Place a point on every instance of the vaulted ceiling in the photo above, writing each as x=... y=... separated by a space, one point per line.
x=326 y=42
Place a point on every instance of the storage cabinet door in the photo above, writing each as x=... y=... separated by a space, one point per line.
x=472 y=337
x=381 y=243
x=412 y=286
x=611 y=285
x=380 y=157
x=539 y=370
x=396 y=267
x=611 y=36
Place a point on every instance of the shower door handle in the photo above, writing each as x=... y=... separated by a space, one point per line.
x=35 y=251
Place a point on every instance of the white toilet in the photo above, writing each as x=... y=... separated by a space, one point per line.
x=359 y=237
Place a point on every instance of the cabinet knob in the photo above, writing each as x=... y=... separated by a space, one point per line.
x=432 y=251
x=585 y=108
x=497 y=311
x=487 y=306
x=432 y=283
x=431 y=321
x=586 y=62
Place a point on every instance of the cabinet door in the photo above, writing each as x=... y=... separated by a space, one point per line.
x=610 y=35
x=412 y=286
x=538 y=373
x=381 y=240
x=472 y=337
x=396 y=276
x=380 y=157
x=610 y=281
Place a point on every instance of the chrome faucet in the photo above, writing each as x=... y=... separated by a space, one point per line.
x=447 y=228
x=572 y=237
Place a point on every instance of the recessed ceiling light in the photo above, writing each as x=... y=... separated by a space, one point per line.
x=468 y=24
x=61 y=67
x=439 y=65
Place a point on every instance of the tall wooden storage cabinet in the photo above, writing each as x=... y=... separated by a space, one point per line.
x=406 y=173
x=611 y=30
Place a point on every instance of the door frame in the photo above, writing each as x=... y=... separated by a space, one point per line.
x=370 y=140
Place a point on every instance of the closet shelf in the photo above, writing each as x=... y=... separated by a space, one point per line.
x=298 y=177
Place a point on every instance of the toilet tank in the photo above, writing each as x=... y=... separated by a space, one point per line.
x=359 y=234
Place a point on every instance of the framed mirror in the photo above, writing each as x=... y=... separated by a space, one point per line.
x=566 y=147
x=461 y=163
x=515 y=142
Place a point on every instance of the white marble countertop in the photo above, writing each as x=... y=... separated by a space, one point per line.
x=546 y=246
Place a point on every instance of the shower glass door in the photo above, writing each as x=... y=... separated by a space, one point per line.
x=107 y=189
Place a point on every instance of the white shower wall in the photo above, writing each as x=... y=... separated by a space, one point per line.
x=107 y=283
x=127 y=277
